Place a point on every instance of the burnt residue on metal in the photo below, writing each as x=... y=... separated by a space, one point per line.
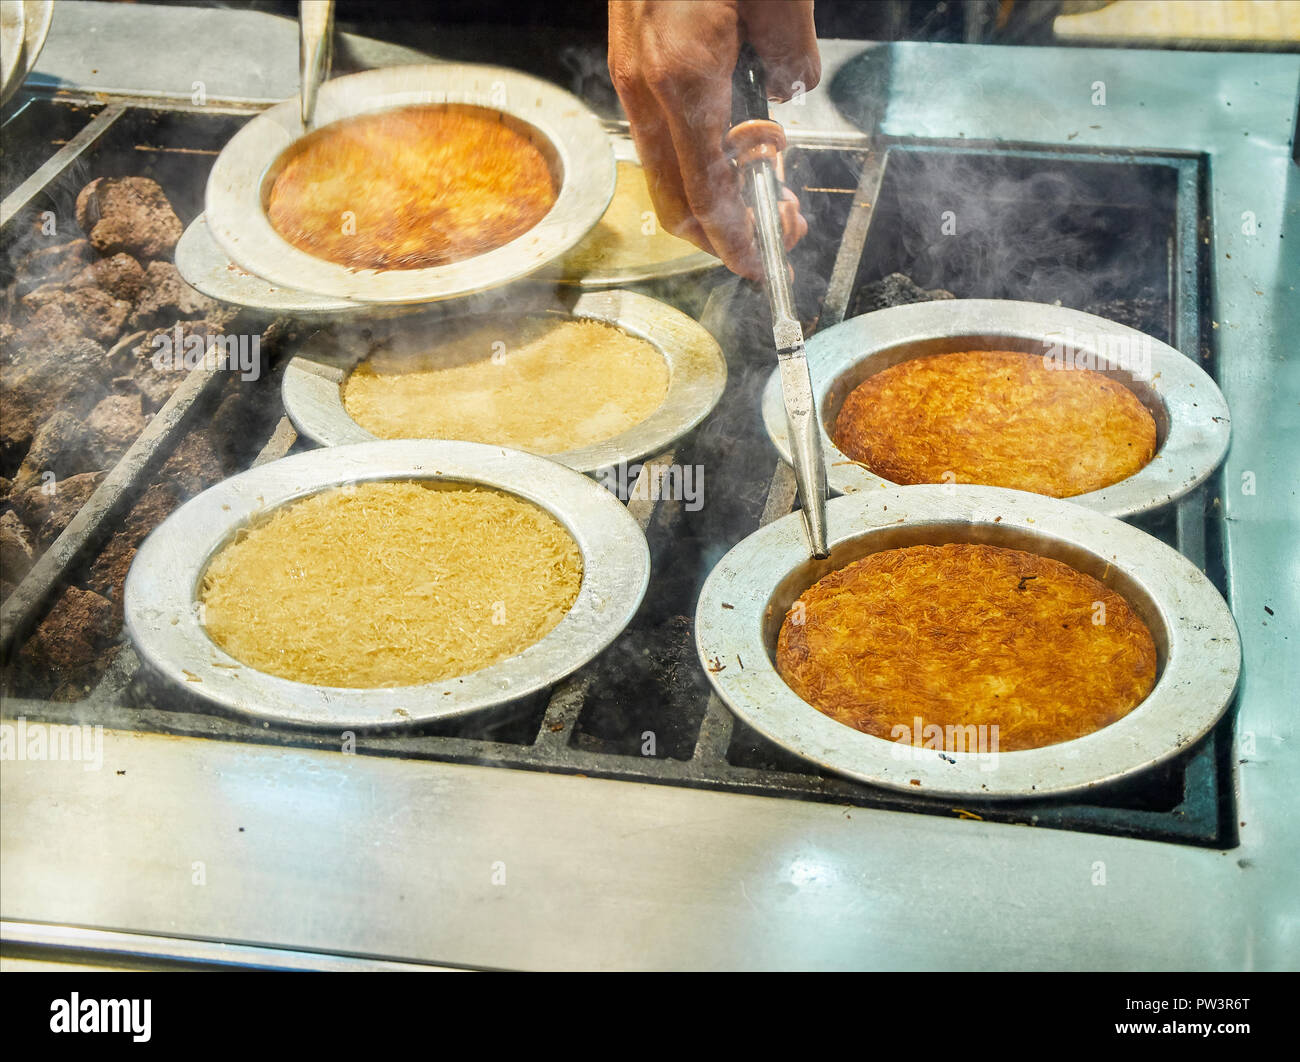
x=594 y=722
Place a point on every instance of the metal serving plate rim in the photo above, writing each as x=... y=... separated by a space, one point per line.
x=313 y=387
x=207 y=267
x=163 y=618
x=1193 y=691
x=204 y=265
x=238 y=223
x=23 y=41
x=1198 y=419
x=698 y=262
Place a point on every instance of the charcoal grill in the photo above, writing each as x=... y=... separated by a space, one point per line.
x=593 y=723
x=1148 y=223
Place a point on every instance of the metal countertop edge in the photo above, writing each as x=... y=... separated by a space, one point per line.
x=59 y=944
x=416 y=861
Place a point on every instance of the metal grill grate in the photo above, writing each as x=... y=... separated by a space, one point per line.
x=643 y=710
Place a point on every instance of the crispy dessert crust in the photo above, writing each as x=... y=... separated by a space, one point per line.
x=426 y=185
x=966 y=635
x=996 y=417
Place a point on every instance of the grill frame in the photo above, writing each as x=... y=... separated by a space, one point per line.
x=1194 y=806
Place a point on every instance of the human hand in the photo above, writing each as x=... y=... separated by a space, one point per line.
x=672 y=62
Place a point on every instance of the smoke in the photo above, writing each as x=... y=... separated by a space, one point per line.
x=1078 y=230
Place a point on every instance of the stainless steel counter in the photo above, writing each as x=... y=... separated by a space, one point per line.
x=393 y=859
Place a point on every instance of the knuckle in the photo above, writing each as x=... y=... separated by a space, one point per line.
x=623 y=74
x=812 y=72
x=660 y=75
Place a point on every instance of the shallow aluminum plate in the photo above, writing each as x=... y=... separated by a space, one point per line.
x=1192 y=423
x=746 y=597
x=241 y=176
x=614 y=275
x=163 y=616
x=205 y=266
x=313 y=381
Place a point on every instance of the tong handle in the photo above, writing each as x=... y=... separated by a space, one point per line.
x=748 y=87
x=753 y=136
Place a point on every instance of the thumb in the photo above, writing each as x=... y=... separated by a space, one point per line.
x=785 y=38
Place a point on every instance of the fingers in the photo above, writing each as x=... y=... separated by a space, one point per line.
x=785 y=37
x=659 y=53
x=698 y=113
x=672 y=63
x=654 y=147
x=794 y=226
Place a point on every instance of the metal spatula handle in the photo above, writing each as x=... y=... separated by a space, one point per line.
x=315 y=41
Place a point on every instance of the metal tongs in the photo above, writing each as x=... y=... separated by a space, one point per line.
x=755 y=143
x=315 y=47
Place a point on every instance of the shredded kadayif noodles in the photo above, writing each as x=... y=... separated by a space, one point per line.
x=554 y=385
x=391 y=584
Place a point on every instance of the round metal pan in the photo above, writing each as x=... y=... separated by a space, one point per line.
x=162 y=607
x=616 y=274
x=746 y=597
x=313 y=381
x=1192 y=423
x=557 y=121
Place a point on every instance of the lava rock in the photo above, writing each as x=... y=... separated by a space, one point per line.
x=65 y=445
x=107 y=575
x=8 y=343
x=73 y=381
x=103 y=315
x=120 y=276
x=157 y=376
x=154 y=506
x=1143 y=312
x=128 y=214
x=17 y=551
x=68 y=647
x=55 y=264
x=194 y=466
x=49 y=512
x=51 y=326
x=119 y=420
x=893 y=290
x=165 y=296
x=43 y=296
x=235 y=422
x=60 y=315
